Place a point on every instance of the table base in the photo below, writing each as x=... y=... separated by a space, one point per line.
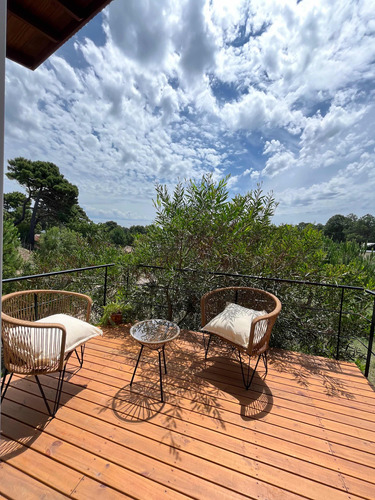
x=161 y=351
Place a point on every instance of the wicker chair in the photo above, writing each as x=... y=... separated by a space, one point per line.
x=217 y=319
x=33 y=345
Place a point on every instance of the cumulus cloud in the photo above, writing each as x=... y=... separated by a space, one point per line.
x=280 y=93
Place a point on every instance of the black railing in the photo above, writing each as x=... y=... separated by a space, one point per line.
x=66 y=271
x=371 y=337
x=337 y=308
x=129 y=282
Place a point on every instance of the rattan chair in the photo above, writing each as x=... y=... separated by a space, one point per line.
x=32 y=346
x=215 y=310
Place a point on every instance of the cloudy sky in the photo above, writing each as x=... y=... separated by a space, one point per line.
x=275 y=92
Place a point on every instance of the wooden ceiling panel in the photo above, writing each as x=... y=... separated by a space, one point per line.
x=36 y=29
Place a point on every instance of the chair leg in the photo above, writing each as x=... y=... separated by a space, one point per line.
x=80 y=357
x=4 y=390
x=265 y=361
x=56 y=403
x=247 y=380
x=206 y=347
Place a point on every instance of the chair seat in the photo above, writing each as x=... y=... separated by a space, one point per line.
x=77 y=331
x=234 y=324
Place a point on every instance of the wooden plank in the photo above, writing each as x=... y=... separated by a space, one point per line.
x=291 y=437
x=15 y=484
x=302 y=468
x=36 y=465
x=109 y=474
x=296 y=424
x=293 y=371
x=101 y=392
x=88 y=489
x=286 y=435
x=153 y=467
x=352 y=422
x=308 y=431
x=330 y=385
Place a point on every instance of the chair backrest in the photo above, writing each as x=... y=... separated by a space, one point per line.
x=215 y=301
x=31 y=305
x=20 y=330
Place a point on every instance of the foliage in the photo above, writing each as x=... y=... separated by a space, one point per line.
x=347 y=263
x=199 y=227
x=62 y=248
x=351 y=228
x=52 y=195
x=11 y=257
x=292 y=253
x=121 y=236
x=117 y=307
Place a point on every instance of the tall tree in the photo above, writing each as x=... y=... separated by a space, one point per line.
x=336 y=226
x=53 y=197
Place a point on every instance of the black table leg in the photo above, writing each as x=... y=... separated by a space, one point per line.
x=136 y=366
x=161 y=377
x=165 y=364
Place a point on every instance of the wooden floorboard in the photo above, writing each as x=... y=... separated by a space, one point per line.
x=304 y=431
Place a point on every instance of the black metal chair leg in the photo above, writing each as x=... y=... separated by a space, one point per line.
x=59 y=391
x=207 y=346
x=165 y=364
x=80 y=358
x=246 y=381
x=160 y=373
x=265 y=361
x=56 y=403
x=3 y=391
x=136 y=366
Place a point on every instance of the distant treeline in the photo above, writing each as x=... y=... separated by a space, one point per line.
x=341 y=228
x=119 y=235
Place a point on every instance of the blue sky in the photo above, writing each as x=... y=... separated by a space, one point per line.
x=276 y=93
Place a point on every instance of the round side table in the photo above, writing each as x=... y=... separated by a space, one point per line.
x=154 y=334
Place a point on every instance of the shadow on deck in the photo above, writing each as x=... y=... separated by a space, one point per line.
x=305 y=430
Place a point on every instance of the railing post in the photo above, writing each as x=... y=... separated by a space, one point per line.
x=105 y=286
x=370 y=342
x=339 y=329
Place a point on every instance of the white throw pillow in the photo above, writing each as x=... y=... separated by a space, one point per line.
x=234 y=324
x=77 y=331
x=42 y=347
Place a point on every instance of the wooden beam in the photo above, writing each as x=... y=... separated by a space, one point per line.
x=21 y=58
x=30 y=18
x=74 y=10
x=81 y=13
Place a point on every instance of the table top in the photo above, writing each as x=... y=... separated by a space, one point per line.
x=154 y=331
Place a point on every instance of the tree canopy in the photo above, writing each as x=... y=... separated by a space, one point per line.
x=351 y=228
x=198 y=225
x=11 y=245
x=51 y=195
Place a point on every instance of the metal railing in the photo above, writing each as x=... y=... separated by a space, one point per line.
x=276 y=284
x=341 y=312
x=65 y=272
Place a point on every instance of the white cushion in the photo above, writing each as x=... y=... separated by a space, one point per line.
x=234 y=324
x=42 y=346
x=77 y=331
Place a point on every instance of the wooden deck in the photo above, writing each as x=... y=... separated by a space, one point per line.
x=305 y=431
